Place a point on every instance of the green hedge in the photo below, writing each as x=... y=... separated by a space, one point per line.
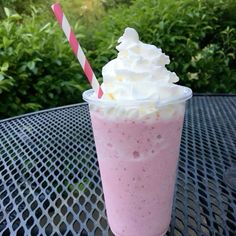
x=38 y=69
x=199 y=36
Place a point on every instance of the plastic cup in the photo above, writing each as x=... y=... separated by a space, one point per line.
x=137 y=145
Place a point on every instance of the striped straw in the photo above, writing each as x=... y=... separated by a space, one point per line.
x=63 y=22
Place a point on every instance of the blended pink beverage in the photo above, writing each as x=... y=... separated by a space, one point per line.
x=137 y=161
x=137 y=129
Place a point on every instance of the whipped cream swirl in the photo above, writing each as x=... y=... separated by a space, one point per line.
x=138 y=72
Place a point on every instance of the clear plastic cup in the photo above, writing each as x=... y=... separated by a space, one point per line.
x=137 y=145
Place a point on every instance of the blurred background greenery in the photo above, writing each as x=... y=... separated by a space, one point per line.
x=38 y=69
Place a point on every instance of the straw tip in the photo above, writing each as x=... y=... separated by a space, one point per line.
x=55 y=5
x=100 y=92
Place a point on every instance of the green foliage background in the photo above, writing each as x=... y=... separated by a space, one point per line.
x=38 y=69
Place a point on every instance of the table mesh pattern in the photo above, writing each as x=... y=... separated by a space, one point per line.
x=49 y=179
x=50 y=182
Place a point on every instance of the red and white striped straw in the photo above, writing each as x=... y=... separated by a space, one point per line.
x=61 y=18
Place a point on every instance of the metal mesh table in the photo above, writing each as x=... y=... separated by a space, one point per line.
x=50 y=182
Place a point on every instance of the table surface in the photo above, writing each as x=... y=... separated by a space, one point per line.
x=50 y=182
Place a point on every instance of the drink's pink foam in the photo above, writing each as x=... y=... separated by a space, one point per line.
x=138 y=162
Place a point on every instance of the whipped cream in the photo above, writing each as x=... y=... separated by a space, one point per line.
x=137 y=85
x=138 y=72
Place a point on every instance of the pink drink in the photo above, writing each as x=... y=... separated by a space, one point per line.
x=137 y=126
x=138 y=162
x=138 y=158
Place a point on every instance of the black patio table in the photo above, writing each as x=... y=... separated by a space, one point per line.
x=50 y=182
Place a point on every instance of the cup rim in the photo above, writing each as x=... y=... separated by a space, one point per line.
x=187 y=94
